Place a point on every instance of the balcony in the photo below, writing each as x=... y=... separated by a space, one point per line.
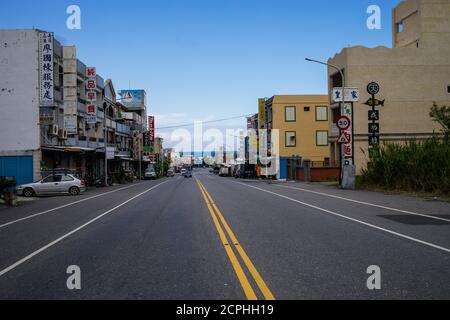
x=111 y=124
x=137 y=127
x=130 y=116
x=123 y=153
x=123 y=129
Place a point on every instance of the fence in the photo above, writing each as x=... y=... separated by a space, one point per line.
x=313 y=171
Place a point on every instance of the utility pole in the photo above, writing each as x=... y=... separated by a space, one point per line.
x=140 y=155
x=162 y=163
x=106 y=147
x=342 y=104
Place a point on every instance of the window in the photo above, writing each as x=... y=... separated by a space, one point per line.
x=322 y=138
x=291 y=139
x=400 y=27
x=290 y=114
x=66 y=178
x=448 y=89
x=51 y=179
x=321 y=113
x=307 y=109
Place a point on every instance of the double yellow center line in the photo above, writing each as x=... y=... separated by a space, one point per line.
x=219 y=220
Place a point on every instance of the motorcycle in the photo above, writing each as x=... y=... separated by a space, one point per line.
x=101 y=182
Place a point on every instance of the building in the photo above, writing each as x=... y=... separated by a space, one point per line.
x=121 y=124
x=168 y=155
x=80 y=151
x=302 y=121
x=54 y=111
x=412 y=75
x=252 y=124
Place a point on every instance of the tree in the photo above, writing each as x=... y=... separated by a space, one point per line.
x=166 y=165
x=441 y=115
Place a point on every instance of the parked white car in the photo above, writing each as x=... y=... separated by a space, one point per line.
x=150 y=174
x=54 y=184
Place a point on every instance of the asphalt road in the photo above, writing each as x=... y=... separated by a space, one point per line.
x=220 y=238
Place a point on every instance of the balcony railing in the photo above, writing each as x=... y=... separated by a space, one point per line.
x=123 y=128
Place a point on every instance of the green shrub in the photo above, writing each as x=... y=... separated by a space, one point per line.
x=412 y=166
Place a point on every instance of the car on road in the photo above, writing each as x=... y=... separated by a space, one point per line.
x=170 y=173
x=187 y=174
x=224 y=172
x=150 y=174
x=54 y=184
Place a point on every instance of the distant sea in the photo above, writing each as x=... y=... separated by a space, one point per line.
x=201 y=154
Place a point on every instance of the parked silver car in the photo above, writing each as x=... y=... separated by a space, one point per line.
x=150 y=174
x=54 y=184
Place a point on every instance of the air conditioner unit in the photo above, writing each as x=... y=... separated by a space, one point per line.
x=62 y=134
x=54 y=130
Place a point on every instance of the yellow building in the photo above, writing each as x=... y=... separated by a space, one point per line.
x=412 y=75
x=302 y=121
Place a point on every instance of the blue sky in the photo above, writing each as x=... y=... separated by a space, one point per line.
x=203 y=60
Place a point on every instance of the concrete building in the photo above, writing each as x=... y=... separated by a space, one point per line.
x=302 y=121
x=121 y=124
x=19 y=105
x=44 y=125
x=412 y=74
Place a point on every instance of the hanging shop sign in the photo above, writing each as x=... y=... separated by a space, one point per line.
x=351 y=95
x=46 y=73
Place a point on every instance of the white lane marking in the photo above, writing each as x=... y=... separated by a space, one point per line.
x=447 y=250
x=21 y=261
x=364 y=203
x=65 y=206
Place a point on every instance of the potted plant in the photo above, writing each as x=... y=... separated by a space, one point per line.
x=8 y=190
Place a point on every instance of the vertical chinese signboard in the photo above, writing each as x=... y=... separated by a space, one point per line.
x=151 y=128
x=91 y=95
x=346 y=137
x=149 y=139
x=347 y=111
x=137 y=146
x=70 y=90
x=373 y=89
x=262 y=113
x=147 y=144
x=46 y=73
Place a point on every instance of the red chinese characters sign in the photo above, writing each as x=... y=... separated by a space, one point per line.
x=91 y=72
x=91 y=84
x=151 y=127
x=91 y=96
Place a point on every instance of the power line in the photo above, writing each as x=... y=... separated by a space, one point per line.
x=203 y=122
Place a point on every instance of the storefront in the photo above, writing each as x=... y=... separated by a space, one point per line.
x=84 y=162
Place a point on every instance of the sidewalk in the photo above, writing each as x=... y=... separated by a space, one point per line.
x=334 y=185
x=20 y=200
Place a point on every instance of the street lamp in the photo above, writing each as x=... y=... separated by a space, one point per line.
x=332 y=66
x=343 y=101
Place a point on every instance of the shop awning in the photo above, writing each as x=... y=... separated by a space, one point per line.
x=68 y=149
